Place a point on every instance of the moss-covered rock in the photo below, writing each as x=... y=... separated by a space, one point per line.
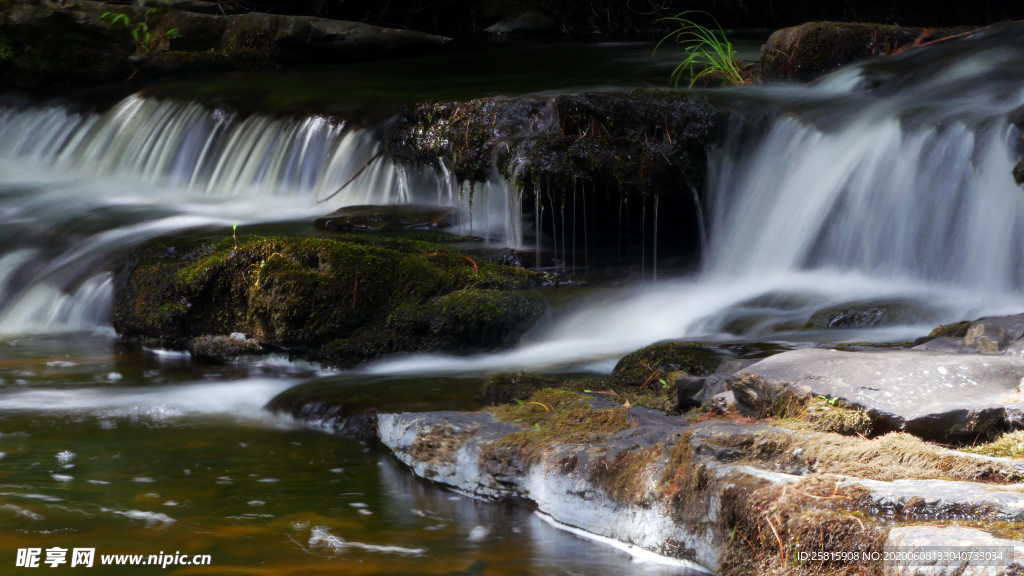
x=814 y=49
x=338 y=298
x=656 y=361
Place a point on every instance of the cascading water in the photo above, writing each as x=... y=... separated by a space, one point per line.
x=78 y=188
x=887 y=181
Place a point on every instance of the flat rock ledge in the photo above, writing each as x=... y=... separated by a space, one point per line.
x=946 y=397
x=733 y=496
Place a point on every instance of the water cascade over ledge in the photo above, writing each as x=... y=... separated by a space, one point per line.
x=80 y=187
x=891 y=179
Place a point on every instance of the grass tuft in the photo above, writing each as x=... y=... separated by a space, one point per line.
x=707 y=50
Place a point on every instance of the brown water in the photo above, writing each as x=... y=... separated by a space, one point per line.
x=138 y=453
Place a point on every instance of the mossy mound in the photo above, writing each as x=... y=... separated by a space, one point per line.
x=339 y=299
x=648 y=365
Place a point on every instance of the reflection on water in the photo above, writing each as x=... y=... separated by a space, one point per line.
x=142 y=452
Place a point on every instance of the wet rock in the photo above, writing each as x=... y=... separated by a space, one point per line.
x=871 y=314
x=395 y=217
x=349 y=406
x=916 y=500
x=342 y=299
x=604 y=149
x=946 y=397
x=220 y=349
x=811 y=50
x=656 y=361
x=54 y=43
x=530 y=23
x=711 y=492
x=989 y=335
x=955 y=538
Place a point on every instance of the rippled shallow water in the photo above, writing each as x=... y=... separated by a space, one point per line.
x=190 y=463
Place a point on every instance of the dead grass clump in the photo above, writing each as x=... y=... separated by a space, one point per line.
x=1009 y=445
x=889 y=457
x=554 y=416
x=626 y=477
x=771 y=524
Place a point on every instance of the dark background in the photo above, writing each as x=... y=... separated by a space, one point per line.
x=637 y=18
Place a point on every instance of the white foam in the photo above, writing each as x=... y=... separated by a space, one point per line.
x=321 y=537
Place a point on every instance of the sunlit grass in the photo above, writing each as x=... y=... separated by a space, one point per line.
x=708 y=51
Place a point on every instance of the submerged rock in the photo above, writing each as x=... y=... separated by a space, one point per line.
x=945 y=397
x=871 y=314
x=342 y=299
x=811 y=50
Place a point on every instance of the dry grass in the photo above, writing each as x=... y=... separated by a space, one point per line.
x=1009 y=445
x=770 y=524
x=889 y=457
x=821 y=415
x=554 y=416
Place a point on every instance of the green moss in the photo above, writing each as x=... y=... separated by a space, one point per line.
x=647 y=365
x=361 y=298
x=955 y=330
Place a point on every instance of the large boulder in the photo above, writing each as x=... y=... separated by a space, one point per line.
x=343 y=299
x=811 y=50
x=946 y=397
x=50 y=43
x=735 y=498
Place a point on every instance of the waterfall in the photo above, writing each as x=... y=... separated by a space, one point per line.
x=78 y=188
x=915 y=182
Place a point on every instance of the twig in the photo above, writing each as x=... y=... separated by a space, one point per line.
x=782 y=547
x=353 y=178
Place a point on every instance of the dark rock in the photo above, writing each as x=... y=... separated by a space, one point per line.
x=658 y=360
x=944 y=397
x=394 y=217
x=343 y=299
x=989 y=335
x=626 y=156
x=811 y=50
x=528 y=23
x=223 y=348
x=56 y=44
x=349 y=406
x=871 y=314
x=689 y=392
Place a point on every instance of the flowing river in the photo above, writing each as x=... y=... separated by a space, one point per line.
x=838 y=194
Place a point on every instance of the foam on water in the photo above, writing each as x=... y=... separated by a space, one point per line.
x=243 y=399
